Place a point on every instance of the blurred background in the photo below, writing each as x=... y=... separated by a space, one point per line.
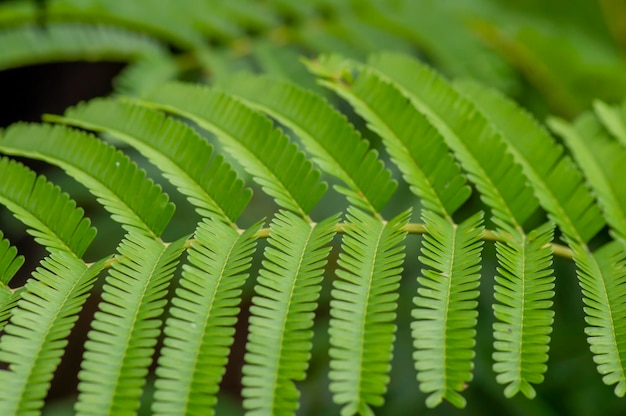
x=553 y=57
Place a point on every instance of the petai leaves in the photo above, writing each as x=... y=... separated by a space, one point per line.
x=185 y=158
x=557 y=182
x=265 y=152
x=200 y=329
x=362 y=310
x=125 y=329
x=279 y=340
x=122 y=188
x=50 y=215
x=445 y=314
x=523 y=311
x=335 y=144
x=414 y=145
x=35 y=337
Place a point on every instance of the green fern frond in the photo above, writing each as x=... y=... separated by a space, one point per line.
x=165 y=20
x=10 y=263
x=35 y=336
x=200 y=329
x=476 y=144
x=277 y=165
x=556 y=180
x=8 y=301
x=562 y=192
x=362 y=309
x=50 y=215
x=279 y=341
x=29 y=45
x=525 y=320
x=119 y=185
x=414 y=145
x=445 y=314
x=126 y=327
x=483 y=154
x=335 y=145
x=613 y=119
x=185 y=158
x=602 y=277
x=602 y=162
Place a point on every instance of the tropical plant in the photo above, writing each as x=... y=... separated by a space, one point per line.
x=457 y=163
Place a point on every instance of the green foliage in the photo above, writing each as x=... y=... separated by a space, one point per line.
x=52 y=217
x=117 y=182
x=40 y=323
x=390 y=133
x=265 y=152
x=524 y=315
x=282 y=312
x=125 y=329
x=368 y=184
x=363 y=305
x=208 y=296
x=445 y=317
x=185 y=158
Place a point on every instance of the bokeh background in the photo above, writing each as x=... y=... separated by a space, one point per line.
x=553 y=57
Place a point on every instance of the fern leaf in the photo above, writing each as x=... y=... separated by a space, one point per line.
x=265 y=152
x=602 y=277
x=126 y=327
x=414 y=145
x=562 y=192
x=8 y=301
x=484 y=154
x=445 y=314
x=556 y=180
x=52 y=217
x=30 y=45
x=478 y=146
x=10 y=263
x=525 y=320
x=335 y=145
x=363 y=311
x=185 y=158
x=36 y=335
x=200 y=329
x=279 y=341
x=602 y=162
x=614 y=119
x=121 y=187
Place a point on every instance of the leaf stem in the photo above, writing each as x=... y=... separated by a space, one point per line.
x=411 y=228
x=416 y=228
